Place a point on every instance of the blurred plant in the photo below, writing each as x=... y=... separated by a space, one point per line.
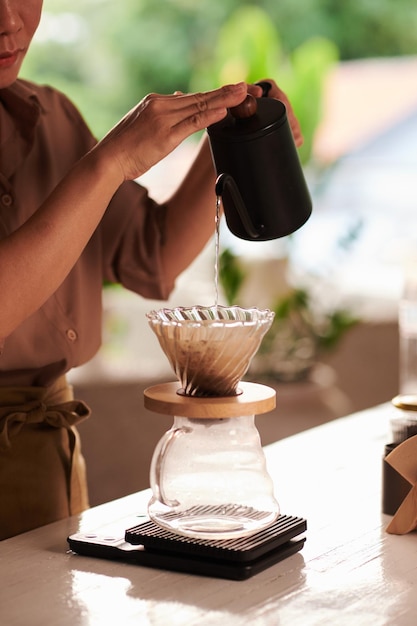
x=231 y=275
x=107 y=55
x=326 y=328
x=249 y=48
x=299 y=335
x=301 y=330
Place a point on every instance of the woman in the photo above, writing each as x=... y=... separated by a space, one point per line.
x=70 y=217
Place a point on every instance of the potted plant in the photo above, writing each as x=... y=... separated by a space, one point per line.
x=301 y=332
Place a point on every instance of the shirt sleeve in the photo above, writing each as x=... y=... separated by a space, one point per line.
x=131 y=232
x=132 y=235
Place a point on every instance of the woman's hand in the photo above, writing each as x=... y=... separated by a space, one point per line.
x=276 y=92
x=159 y=123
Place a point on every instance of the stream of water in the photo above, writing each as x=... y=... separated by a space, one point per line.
x=217 y=251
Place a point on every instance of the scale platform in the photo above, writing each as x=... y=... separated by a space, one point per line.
x=149 y=545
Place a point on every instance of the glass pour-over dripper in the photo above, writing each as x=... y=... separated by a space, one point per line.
x=210 y=348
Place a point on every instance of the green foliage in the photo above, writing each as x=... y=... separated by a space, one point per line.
x=303 y=83
x=296 y=301
x=231 y=275
x=249 y=48
x=366 y=28
x=299 y=335
x=127 y=49
x=296 y=315
x=336 y=325
x=326 y=328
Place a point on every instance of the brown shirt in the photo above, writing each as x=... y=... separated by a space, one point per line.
x=41 y=136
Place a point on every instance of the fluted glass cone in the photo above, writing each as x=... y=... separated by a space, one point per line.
x=210 y=348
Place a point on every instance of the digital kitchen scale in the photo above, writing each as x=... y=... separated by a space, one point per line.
x=149 y=545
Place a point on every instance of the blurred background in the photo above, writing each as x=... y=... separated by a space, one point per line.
x=349 y=68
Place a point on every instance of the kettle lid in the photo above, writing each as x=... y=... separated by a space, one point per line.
x=269 y=116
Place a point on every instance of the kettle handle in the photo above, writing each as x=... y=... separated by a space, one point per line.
x=225 y=180
x=265 y=86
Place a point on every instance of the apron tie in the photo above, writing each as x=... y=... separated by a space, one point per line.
x=64 y=415
x=29 y=417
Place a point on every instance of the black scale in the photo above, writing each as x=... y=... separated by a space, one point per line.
x=149 y=545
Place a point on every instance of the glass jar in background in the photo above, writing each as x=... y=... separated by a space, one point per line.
x=407 y=326
x=404 y=421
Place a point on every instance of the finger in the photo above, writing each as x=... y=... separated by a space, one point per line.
x=255 y=91
x=223 y=97
x=194 y=112
x=198 y=120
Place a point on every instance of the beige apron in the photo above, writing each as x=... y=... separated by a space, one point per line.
x=42 y=470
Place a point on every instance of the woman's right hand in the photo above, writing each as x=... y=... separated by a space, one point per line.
x=276 y=92
x=159 y=123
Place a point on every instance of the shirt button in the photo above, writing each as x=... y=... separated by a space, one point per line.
x=71 y=334
x=6 y=199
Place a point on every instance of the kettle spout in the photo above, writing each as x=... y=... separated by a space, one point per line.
x=225 y=182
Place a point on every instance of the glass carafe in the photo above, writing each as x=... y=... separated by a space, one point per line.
x=208 y=474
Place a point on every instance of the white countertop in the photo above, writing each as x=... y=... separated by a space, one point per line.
x=350 y=571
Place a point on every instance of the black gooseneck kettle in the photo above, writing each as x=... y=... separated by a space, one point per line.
x=259 y=175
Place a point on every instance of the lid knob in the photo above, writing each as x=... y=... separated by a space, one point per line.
x=245 y=109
